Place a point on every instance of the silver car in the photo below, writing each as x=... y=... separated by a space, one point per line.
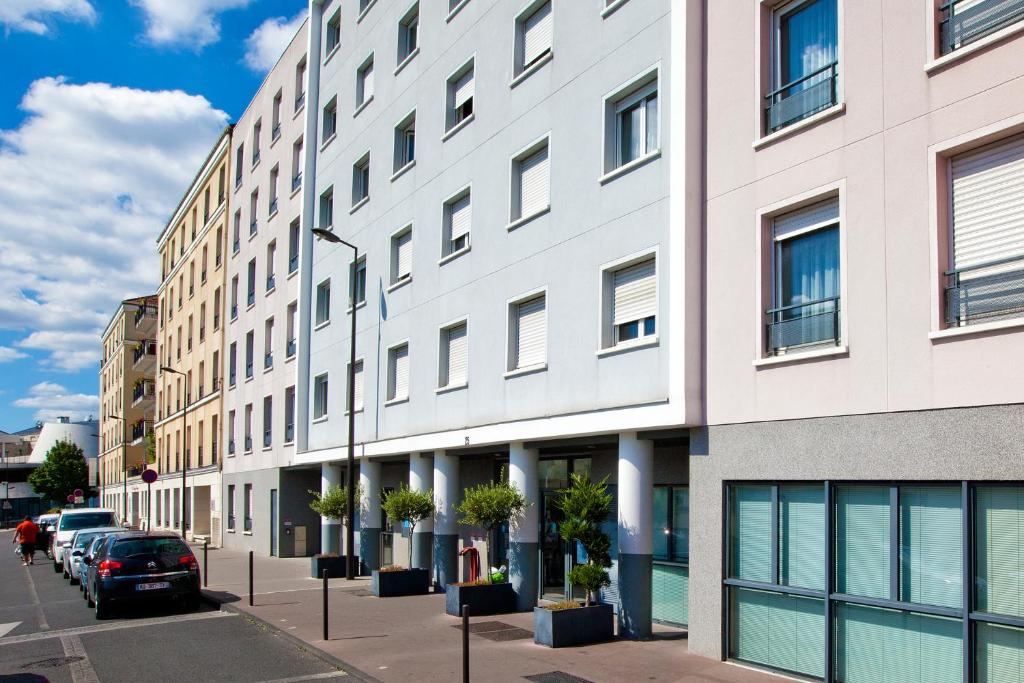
x=76 y=547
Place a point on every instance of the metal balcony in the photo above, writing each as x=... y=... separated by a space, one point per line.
x=143 y=312
x=816 y=322
x=142 y=392
x=985 y=292
x=801 y=98
x=961 y=27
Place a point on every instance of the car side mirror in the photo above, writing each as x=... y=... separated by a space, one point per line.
x=66 y=544
x=50 y=529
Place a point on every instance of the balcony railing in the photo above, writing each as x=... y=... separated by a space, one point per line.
x=273 y=206
x=216 y=321
x=213 y=452
x=801 y=98
x=234 y=311
x=231 y=522
x=248 y=524
x=268 y=438
x=815 y=322
x=143 y=312
x=252 y=227
x=143 y=349
x=275 y=133
x=142 y=392
x=985 y=292
x=962 y=23
x=250 y=298
x=290 y=348
x=140 y=429
x=218 y=258
x=268 y=360
x=231 y=446
x=271 y=282
x=248 y=369
x=293 y=263
x=248 y=444
x=289 y=432
x=300 y=101
x=235 y=246
x=231 y=378
x=256 y=156
x=238 y=179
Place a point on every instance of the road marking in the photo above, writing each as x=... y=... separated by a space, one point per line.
x=310 y=677
x=43 y=624
x=7 y=628
x=113 y=626
x=81 y=667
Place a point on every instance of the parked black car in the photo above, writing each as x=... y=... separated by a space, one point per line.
x=139 y=566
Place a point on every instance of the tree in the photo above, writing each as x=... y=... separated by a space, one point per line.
x=334 y=503
x=63 y=471
x=586 y=505
x=150 y=447
x=489 y=506
x=405 y=505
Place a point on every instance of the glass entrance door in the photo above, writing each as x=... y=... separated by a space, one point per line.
x=553 y=550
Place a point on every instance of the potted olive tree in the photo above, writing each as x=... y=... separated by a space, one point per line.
x=404 y=505
x=585 y=505
x=333 y=505
x=488 y=506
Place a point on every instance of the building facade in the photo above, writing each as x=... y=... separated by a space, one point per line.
x=266 y=507
x=127 y=405
x=856 y=493
x=189 y=353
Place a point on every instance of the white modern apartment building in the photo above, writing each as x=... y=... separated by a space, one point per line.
x=526 y=206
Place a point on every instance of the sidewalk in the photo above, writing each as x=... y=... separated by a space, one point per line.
x=411 y=638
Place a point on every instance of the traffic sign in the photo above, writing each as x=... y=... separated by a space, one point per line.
x=149 y=476
x=71 y=498
x=79 y=493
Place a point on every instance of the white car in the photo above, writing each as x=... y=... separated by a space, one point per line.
x=77 y=547
x=71 y=521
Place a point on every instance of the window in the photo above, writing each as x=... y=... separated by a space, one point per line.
x=231 y=507
x=332 y=38
x=274 y=174
x=251 y=284
x=631 y=300
x=408 y=34
x=249 y=353
x=254 y=207
x=454 y=6
x=405 y=142
x=271 y=258
x=327 y=209
x=401 y=255
x=364 y=6
x=236 y=241
x=454 y=360
x=804 y=66
x=233 y=364
x=219 y=249
x=330 y=119
x=986 y=273
x=275 y=131
x=357 y=280
x=805 y=291
x=320 y=396
x=292 y=318
x=323 y=302
x=358 y=397
x=202 y=322
x=398 y=372
x=247 y=441
x=634 y=124
x=533 y=36
x=293 y=246
x=528 y=331
x=531 y=187
x=268 y=421
x=297 y=165
x=268 y=344
x=216 y=308
x=257 y=129
x=963 y=22
x=364 y=82
x=458 y=217
x=239 y=157
x=361 y=180
x=247 y=501
x=461 y=88
x=234 y=297
x=300 y=84
x=289 y=414
x=670 y=574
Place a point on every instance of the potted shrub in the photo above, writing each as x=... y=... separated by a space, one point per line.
x=404 y=505
x=585 y=505
x=488 y=506
x=333 y=505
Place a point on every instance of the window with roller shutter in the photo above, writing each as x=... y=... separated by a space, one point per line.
x=634 y=302
x=398 y=373
x=531 y=191
x=454 y=356
x=458 y=221
x=364 y=82
x=461 y=89
x=358 y=393
x=529 y=334
x=534 y=35
x=401 y=256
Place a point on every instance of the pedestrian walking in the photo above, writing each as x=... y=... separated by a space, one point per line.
x=26 y=534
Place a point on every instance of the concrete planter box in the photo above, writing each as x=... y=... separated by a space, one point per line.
x=495 y=598
x=569 y=627
x=398 y=583
x=335 y=567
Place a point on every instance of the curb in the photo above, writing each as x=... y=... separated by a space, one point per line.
x=326 y=657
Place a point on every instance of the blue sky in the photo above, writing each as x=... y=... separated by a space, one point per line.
x=107 y=107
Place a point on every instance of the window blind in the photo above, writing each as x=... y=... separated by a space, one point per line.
x=534 y=183
x=814 y=216
x=930 y=545
x=537 y=34
x=802 y=536
x=999 y=653
x=400 y=372
x=751 y=533
x=862 y=541
x=999 y=539
x=670 y=594
x=458 y=355
x=460 y=216
x=988 y=203
x=367 y=82
x=463 y=89
x=531 y=333
x=776 y=630
x=358 y=393
x=403 y=257
x=634 y=295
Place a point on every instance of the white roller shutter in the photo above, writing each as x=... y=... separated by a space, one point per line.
x=537 y=34
x=531 y=333
x=359 y=386
x=458 y=355
x=634 y=295
x=463 y=89
x=814 y=216
x=988 y=204
x=403 y=256
x=400 y=373
x=534 y=183
x=461 y=217
x=368 y=82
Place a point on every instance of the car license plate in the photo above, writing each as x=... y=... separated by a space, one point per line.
x=152 y=586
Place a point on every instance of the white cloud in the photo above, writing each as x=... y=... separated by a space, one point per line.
x=8 y=354
x=192 y=24
x=32 y=15
x=267 y=43
x=52 y=400
x=90 y=178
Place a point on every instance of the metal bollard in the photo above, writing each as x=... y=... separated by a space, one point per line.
x=325 y=605
x=206 y=565
x=250 y=579
x=465 y=644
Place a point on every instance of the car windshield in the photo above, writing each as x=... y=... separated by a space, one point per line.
x=148 y=547
x=86 y=520
x=83 y=540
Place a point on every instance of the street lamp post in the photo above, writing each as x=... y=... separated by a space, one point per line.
x=124 y=462
x=350 y=511
x=184 y=429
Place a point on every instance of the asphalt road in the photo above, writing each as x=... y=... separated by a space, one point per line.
x=48 y=633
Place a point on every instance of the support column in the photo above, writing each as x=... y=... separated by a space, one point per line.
x=330 y=529
x=524 y=539
x=421 y=475
x=369 y=533
x=636 y=470
x=446 y=524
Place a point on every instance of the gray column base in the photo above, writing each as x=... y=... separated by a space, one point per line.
x=330 y=537
x=446 y=560
x=634 y=576
x=369 y=548
x=522 y=573
x=421 y=547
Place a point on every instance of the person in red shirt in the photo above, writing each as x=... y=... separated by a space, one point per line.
x=26 y=533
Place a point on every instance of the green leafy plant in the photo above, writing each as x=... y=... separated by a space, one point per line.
x=585 y=505
x=489 y=506
x=405 y=505
x=150 y=447
x=63 y=471
x=334 y=503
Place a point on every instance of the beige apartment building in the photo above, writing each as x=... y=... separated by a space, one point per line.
x=190 y=339
x=127 y=404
